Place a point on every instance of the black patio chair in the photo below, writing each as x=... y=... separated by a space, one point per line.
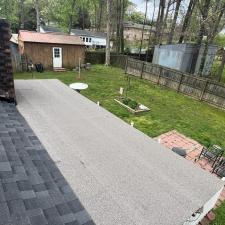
x=219 y=168
x=213 y=154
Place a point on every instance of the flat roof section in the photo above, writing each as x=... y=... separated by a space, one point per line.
x=120 y=175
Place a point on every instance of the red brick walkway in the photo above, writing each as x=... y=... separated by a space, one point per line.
x=193 y=148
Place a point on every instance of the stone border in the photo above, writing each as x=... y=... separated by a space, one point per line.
x=132 y=110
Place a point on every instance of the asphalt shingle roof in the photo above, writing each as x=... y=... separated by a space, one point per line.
x=88 y=33
x=121 y=176
x=32 y=189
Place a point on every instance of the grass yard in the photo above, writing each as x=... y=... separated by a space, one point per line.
x=169 y=110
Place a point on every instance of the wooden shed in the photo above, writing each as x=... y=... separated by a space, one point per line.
x=54 y=51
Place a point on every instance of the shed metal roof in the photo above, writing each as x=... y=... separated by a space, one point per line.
x=121 y=176
x=49 y=38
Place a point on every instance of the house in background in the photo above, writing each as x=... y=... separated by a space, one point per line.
x=54 y=51
x=133 y=31
x=91 y=39
x=50 y=29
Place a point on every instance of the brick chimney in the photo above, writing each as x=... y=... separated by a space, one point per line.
x=7 y=91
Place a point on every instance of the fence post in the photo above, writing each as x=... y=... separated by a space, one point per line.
x=159 y=75
x=126 y=65
x=180 y=82
x=203 y=91
x=142 y=69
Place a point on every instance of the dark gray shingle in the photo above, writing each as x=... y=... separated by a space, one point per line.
x=32 y=189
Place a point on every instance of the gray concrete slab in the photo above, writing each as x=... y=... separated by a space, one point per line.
x=121 y=176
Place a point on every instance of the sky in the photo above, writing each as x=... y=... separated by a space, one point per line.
x=140 y=6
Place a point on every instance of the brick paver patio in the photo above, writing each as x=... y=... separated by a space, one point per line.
x=193 y=148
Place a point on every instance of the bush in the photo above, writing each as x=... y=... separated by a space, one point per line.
x=131 y=103
x=126 y=101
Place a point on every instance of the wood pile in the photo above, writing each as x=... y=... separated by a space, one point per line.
x=7 y=91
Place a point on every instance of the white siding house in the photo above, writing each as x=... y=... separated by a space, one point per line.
x=91 y=38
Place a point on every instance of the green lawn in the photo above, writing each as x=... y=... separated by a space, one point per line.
x=169 y=110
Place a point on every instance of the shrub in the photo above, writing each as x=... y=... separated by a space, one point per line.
x=126 y=101
x=133 y=104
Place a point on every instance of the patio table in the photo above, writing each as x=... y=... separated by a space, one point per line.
x=78 y=86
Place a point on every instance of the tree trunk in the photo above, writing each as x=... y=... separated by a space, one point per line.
x=37 y=15
x=83 y=19
x=150 y=31
x=143 y=28
x=118 y=23
x=100 y=15
x=71 y=17
x=159 y=22
x=205 y=12
x=166 y=15
x=221 y=68
x=171 y=34
x=187 y=19
x=95 y=15
x=122 y=28
x=107 y=51
x=21 y=14
x=210 y=38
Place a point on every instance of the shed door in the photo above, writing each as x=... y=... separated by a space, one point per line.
x=57 y=57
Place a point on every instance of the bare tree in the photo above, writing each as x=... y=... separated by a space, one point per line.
x=187 y=19
x=107 y=51
x=150 y=31
x=122 y=27
x=204 y=10
x=21 y=14
x=143 y=28
x=171 y=34
x=170 y=2
x=212 y=31
x=37 y=15
x=159 y=23
x=71 y=17
x=118 y=18
x=101 y=3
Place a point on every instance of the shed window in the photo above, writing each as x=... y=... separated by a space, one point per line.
x=86 y=39
x=89 y=39
x=56 y=53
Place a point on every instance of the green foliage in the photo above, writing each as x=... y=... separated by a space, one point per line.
x=131 y=103
x=220 y=40
x=138 y=17
x=8 y=10
x=95 y=57
x=126 y=101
